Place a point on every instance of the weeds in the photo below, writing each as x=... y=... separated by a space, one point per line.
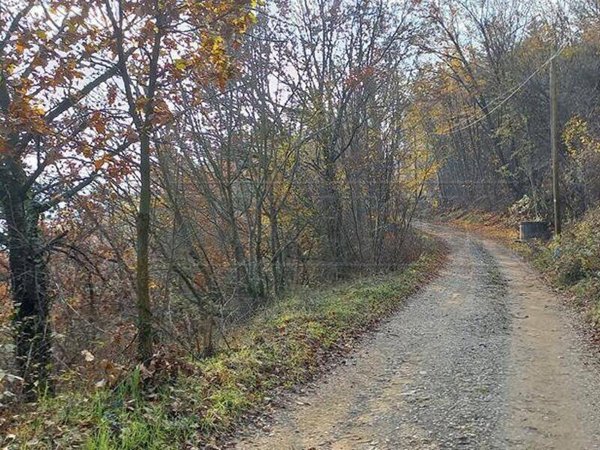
x=285 y=345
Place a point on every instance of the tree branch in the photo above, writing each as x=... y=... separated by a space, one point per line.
x=15 y=24
x=72 y=100
x=85 y=182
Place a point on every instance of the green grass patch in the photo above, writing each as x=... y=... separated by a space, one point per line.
x=284 y=345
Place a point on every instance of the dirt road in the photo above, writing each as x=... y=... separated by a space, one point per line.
x=484 y=357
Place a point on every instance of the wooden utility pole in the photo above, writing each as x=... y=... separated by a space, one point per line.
x=554 y=144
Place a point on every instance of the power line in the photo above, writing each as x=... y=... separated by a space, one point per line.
x=507 y=98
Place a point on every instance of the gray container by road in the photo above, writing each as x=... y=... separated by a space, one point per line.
x=534 y=230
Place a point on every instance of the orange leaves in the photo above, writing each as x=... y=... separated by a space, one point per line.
x=38 y=61
x=200 y=279
x=162 y=114
x=25 y=115
x=140 y=103
x=98 y=163
x=119 y=169
x=160 y=111
x=356 y=77
x=20 y=46
x=147 y=32
x=65 y=73
x=97 y=122
x=4 y=148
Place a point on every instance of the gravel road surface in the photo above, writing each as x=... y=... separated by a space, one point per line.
x=484 y=357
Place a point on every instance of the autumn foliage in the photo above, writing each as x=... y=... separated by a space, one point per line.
x=168 y=168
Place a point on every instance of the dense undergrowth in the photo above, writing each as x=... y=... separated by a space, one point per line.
x=185 y=404
x=570 y=262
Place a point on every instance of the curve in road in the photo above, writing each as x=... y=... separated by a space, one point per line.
x=483 y=357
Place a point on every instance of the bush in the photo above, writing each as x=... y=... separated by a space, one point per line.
x=576 y=254
x=284 y=345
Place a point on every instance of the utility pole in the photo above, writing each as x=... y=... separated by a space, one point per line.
x=554 y=144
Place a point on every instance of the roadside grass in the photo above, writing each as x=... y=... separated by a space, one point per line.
x=285 y=345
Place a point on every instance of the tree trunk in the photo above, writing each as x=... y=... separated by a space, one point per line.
x=277 y=267
x=145 y=333
x=333 y=220
x=29 y=289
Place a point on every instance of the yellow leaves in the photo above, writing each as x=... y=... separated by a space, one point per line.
x=216 y=44
x=578 y=139
x=420 y=167
x=74 y=22
x=213 y=7
x=86 y=150
x=570 y=51
x=574 y=135
x=42 y=34
x=10 y=69
x=212 y=59
x=39 y=110
x=180 y=64
x=419 y=164
x=215 y=49
x=243 y=23
x=25 y=115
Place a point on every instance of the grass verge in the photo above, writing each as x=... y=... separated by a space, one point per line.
x=190 y=405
